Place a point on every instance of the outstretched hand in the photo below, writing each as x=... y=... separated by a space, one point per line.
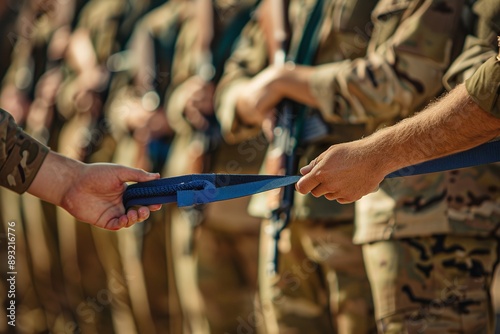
x=96 y=196
x=92 y=193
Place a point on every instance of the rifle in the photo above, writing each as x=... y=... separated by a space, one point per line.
x=289 y=124
x=211 y=56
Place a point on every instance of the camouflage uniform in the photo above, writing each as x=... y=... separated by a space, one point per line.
x=429 y=241
x=21 y=156
x=215 y=262
x=321 y=284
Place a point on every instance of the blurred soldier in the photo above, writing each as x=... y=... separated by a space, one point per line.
x=9 y=13
x=93 y=263
x=136 y=112
x=214 y=247
x=320 y=285
x=427 y=240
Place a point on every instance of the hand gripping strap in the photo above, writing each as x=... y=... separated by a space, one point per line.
x=188 y=190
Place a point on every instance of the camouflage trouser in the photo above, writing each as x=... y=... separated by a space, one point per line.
x=321 y=286
x=216 y=276
x=438 y=284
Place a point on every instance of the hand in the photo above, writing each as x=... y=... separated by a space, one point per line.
x=200 y=103
x=95 y=197
x=91 y=193
x=344 y=172
x=258 y=99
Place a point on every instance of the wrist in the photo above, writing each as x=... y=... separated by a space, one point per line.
x=54 y=179
x=383 y=157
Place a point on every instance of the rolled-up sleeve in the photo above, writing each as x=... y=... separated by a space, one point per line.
x=21 y=156
x=484 y=86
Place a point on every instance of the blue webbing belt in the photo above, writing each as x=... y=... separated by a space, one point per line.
x=196 y=189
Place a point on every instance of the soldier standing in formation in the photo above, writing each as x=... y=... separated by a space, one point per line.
x=214 y=254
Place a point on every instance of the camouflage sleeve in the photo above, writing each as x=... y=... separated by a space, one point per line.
x=246 y=61
x=484 y=86
x=410 y=49
x=20 y=155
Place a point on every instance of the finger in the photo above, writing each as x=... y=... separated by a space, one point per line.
x=115 y=224
x=127 y=174
x=345 y=201
x=155 y=207
x=331 y=196
x=132 y=218
x=306 y=184
x=306 y=169
x=320 y=190
x=143 y=213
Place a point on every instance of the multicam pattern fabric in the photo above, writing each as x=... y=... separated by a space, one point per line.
x=20 y=155
x=433 y=285
x=413 y=45
x=461 y=202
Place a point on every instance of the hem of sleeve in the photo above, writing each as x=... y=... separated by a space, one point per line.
x=44 y=151
x=484 y=85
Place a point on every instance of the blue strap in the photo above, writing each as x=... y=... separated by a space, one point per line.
x=193 y=189
x=188 y=190
x=480 y=155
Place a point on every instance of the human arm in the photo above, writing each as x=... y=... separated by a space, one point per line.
x=91 y=193
x=348 y=171
x=262 y=94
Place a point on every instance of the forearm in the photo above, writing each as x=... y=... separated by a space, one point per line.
x=56 y=175
x=454 y=123
x=294 y=82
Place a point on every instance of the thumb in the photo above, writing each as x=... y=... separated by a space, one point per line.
x=306 y=169
x=127 y=174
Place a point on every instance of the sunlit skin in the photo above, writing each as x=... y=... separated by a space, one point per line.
x=92 y=193
x=346 y=172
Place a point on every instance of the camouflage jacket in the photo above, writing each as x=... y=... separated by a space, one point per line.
x=20 y=155
x=459 y=202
